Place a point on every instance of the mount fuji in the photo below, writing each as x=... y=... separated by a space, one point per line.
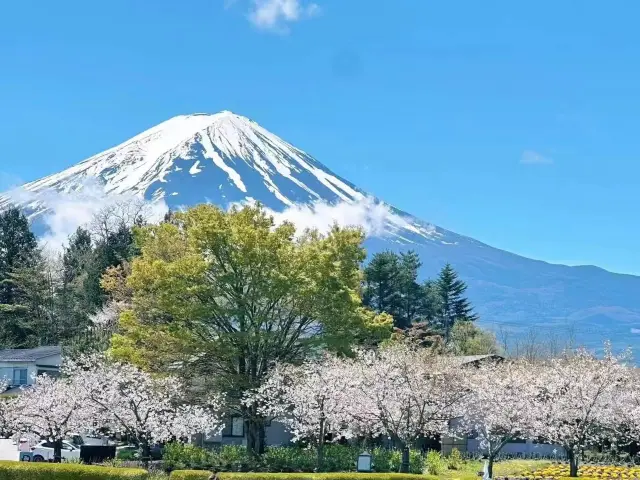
x=226 y=158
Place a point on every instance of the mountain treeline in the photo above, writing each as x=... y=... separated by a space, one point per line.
x=71 y=297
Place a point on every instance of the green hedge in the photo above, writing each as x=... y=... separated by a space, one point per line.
x=204 y=475
x=189 y=475
x=66 y=471
x=323 y=476
x=337 y=458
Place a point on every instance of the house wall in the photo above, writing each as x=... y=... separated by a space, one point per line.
x=276 y=435
x=7 y=368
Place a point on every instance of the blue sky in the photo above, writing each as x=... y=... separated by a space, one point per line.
x=513 y=123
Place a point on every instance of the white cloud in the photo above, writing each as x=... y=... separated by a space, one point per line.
x=274 y=15
x=367 y=214
x=65 y=212
x=529 y=157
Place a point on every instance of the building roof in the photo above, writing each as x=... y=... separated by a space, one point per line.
x=29 y=354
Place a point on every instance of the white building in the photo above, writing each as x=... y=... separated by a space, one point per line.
x=19 y=367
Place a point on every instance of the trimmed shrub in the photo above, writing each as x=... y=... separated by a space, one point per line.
x=322 y=476
x=66 y=471
x=189 y=475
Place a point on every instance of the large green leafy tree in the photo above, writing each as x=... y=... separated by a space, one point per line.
x=227 y=294
x=454 y=306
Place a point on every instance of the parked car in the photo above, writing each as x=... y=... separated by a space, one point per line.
x=43 y=452
x=132 y=451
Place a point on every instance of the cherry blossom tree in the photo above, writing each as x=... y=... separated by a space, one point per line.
x=6 y=409
x=52 y=409
x=499 y=407
x=309 y=399
x=403 y=393
x=142 y=406
x=577 y=400
x=628 y=407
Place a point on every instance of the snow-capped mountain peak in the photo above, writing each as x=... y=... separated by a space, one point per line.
x=220 y=140
x=223 y=158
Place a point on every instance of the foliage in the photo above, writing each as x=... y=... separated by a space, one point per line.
x=579 y=400
x=231 y=458
x=454 y=460
x=238 y=293
x=454 y=306
x=322 y=476
x=435 y=464
x=180 y=456
x=294 y=459
x=402 y=392
x=468 y=339
x=338 y=458
x=604 y=472
x=52 y=409
x=50 y=471
x=190 y=475
x=137 y=404
x=500 y=405
x=18 y=249
x=391 y=286
x=308 y=399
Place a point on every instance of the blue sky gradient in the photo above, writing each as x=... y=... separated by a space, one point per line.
x=512 y=123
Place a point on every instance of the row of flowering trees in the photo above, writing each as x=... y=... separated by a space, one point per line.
x=404 y=393
x=96 y=394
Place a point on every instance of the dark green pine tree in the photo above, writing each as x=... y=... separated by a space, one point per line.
x=18 y=250
x=381 y=292
x=79 y=292
x=454 y=306
x=412 y=296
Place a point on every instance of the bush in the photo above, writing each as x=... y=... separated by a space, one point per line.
x=454 y=460
x=228 y=458
x=190 y=475
x=66 y=471
x=337 y=458
x=435 y=464
x=321 y=476
x=181 y=456
x=289 y=459
x=233 y=458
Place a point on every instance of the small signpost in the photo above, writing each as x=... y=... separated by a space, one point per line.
x=364 y=462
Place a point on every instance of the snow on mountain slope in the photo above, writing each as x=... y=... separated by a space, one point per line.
x=222 y=158
x=226 y=158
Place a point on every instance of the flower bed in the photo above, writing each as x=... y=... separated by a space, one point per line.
x=602 y=472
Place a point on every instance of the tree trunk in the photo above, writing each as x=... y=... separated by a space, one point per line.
x=406 y=463
x=146 y=451
x=321 y=445
x=573 y=463
x=255 y=437
x=57 y=451
x=490 y=465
